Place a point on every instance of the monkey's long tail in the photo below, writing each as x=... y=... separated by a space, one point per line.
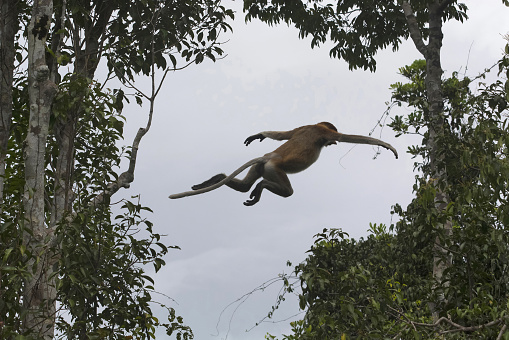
x=263 y=159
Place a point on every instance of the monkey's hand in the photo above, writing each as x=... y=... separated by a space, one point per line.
x=254 y=137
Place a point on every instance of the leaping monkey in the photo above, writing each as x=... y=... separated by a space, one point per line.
x=297 y=154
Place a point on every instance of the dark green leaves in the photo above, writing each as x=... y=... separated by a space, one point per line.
x=102 y=280
x=158 y=31
x=358 y=29
x=382 y=287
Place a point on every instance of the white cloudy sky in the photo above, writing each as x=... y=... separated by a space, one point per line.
x=271 y=80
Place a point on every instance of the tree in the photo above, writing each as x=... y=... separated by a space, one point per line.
x=359 y=29
x=8 y=29
x=59 y=163
x=382 y=286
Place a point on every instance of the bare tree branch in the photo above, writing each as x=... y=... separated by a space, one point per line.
x=127 y=177
x=502 y=331
x=404 y=316
x=413 y=27
x=457 y=327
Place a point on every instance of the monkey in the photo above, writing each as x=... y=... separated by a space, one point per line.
x=301 y=150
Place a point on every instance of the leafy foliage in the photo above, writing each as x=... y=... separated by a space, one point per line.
x=103 y=285
x=358 y=29
x=185 y=31
x=98 y=263
x=382 y=287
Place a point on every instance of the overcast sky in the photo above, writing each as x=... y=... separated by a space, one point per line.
x=271 y=80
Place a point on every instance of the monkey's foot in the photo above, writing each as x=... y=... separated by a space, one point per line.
x=249 y=203
x=215 y=179
x=254 y=196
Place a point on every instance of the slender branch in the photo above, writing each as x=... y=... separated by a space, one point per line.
x=413 y=27
x=406 y=317
x=131 y=85
x=241 y=300
x=179 y=69
x=470 y=329
x=161 y=82
x=457 y=327
x=398 y=336
x=502 y=331
x=127 y=177
x=109 y=76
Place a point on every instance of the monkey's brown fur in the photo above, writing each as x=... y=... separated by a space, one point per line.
x=300 y=151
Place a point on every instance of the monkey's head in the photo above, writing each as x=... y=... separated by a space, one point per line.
x=328 y=126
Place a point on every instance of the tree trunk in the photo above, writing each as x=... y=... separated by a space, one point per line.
x=39 y=294
x=85 y=66
x=8 y=28
x=441 y=260
x=433 y=81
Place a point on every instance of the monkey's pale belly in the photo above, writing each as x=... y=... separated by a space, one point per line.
x=295 y=165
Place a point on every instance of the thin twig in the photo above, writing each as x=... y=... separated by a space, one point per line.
x=502 y=331
x=458 y=328
x=406 y=317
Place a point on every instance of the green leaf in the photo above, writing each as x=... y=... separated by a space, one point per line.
x=199 y=58
x=7 y=253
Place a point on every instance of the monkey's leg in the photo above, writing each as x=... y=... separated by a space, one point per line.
x=275 y=180
x=245 y=184
x=215 y=179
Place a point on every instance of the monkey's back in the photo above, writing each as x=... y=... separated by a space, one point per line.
x=302 y=149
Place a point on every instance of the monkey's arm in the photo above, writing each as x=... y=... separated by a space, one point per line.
x=342 y=138
x=276 y=135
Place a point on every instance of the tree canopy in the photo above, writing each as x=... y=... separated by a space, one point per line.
x=359 y=29
x=383 y=286
x=72 y=268
x=69 y=268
